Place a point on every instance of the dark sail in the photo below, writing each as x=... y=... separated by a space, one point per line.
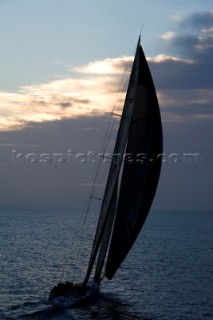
x=141 y=169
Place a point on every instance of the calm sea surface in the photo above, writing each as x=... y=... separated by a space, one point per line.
x=168 y=274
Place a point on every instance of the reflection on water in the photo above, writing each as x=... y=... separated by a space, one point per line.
x=101 y=307
x=166 y=276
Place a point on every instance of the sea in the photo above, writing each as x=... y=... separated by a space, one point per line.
x=168 y=275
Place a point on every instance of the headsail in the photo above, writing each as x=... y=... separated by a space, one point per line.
x=141 y=169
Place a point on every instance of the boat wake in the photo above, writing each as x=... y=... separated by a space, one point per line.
x=99 y=306
x=70 y=295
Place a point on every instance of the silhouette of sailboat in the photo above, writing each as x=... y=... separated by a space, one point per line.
x=130 y=188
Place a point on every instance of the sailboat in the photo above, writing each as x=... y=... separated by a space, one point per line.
x=130 y=189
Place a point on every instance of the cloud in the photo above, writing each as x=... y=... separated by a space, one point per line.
x=93 y=90
x=185 y=82
x=161 y=58
x=59 y=99
x=168 y=35
x=186 y=105
x=107 y=66
x=194 y=35
x=96 y=93
x=198 y=20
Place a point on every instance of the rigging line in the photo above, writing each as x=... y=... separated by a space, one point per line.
x=141 y=29
x=79 y=242
x=85 y=213
x=83 y=226
x=111 y=131
x=104 y=146
x=116 y=104
x=103 y=174
x=109 y=136
x=106 y=143
x=114 y=119
x=96 y=198
x=123 y=85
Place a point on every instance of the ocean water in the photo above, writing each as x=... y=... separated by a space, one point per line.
x=168 y=274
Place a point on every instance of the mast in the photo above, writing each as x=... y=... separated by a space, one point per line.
x=105 y=222
x=106 y=236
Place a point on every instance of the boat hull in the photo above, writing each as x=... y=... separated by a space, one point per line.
x=73 y=298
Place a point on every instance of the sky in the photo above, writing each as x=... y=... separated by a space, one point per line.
x=62 y=64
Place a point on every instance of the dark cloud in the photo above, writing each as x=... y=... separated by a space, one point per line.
x=71 y=102
x=198 y=20
x=67 y=183
x=66 y=104
x=186 y=43
x=195 y=36
x=198 y=47
x=182 y=75
x=194 y=44
x=188 y=103
x=173 y=75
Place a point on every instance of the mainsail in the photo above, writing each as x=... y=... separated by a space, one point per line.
x=140 y=136
x=141 y=169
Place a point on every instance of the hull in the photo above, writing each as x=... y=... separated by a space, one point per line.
x=69 y=295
